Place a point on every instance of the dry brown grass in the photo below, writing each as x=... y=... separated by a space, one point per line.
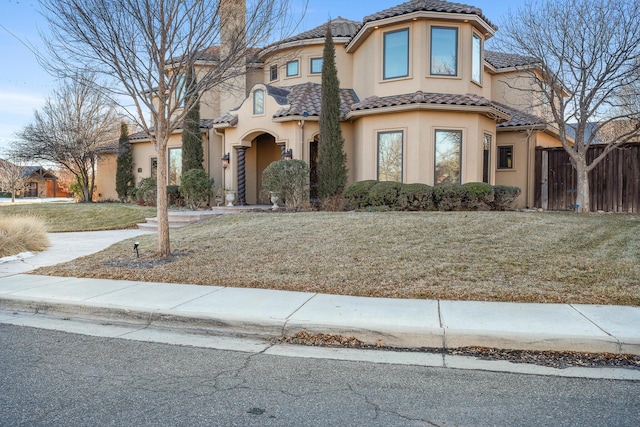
x=487 y=256
x=62 y=217
x=22 y=234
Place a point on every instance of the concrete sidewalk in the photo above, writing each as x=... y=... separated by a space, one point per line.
x=390 y=322
x=269 y=313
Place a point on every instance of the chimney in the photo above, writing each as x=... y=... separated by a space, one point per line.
x=233 y=53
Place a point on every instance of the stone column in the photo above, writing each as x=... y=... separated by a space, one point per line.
x=242 y=176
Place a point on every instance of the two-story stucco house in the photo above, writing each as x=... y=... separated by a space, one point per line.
x=422 y=101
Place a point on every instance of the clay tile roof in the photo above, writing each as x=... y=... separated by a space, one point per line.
x=204 y=124
x=508 y=60
x=426 y=98
x=427 y=6
x=520 y=118
x=306 y=98
x=340 y=27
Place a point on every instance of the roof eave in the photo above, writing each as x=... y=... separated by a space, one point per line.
x=297 y=117
x=487 y=30
x=487 y=110
x=299 y=43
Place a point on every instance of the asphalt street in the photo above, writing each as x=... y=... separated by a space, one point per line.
x=57 y=378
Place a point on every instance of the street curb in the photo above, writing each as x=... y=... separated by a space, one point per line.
x=269 y=328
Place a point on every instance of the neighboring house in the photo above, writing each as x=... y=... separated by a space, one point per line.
x=38 y=181
x=421 y=101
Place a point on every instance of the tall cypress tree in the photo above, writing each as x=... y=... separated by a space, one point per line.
x=192 y=151
x=332 y=170
x=125 y=181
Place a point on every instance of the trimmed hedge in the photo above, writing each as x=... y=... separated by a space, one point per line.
x=478 y=196
x=357 y=194
x=389 y=195
x=505 y=197
x=416 y=197
x=385 y=193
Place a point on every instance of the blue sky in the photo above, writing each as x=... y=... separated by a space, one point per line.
x=24 y=85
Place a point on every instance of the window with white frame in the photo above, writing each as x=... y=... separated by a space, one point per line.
x=390 y=147
x=396 y=54
x=293 y=68
x=476 y=59
x=444 y=51
x=448 y=150
x=258 y=102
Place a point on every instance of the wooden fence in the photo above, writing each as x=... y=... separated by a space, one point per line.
x=614 y=182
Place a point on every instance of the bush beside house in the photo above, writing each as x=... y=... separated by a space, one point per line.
x=422 y=197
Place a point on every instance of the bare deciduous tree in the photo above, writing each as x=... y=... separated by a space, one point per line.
x=144 y=46
x=75 y=125
x=588 y=53
x=12 y=176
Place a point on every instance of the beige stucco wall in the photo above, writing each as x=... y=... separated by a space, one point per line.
x=522 y=174
x=419 y=129
x=105 y=184
x=368 y=63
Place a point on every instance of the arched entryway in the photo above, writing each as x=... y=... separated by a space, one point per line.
x=262 y=153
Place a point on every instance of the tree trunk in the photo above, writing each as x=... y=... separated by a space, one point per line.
x=164 y=249
x=582 y=188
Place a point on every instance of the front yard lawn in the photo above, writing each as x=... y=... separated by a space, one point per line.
x=486 y=256
x=61 y=217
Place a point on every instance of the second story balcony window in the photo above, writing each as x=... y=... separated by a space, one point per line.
x=396 y=54
x=258 y=102
x=444 y=51
x=316 y=65
x=476 y=59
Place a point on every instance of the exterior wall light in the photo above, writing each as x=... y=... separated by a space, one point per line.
x=288 y=155
x=225 y=160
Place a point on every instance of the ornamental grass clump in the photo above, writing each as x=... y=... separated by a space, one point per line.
x=21 y=234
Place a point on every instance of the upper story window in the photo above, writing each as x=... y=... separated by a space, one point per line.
x=444 y=51
x=293 y=68
x=316 y=65
x=390 y=156
x=258 y=102
x=476 y=59
x=273 y=73
x=396 y=54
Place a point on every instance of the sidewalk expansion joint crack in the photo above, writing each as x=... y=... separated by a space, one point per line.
x=597 y=326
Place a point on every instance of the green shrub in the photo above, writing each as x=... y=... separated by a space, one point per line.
x=195 y=187
x=505 y=197
x=173 y=195
x=449 y=197
x=416 y=197
x=146 y=191
x=289 y=179
x=357 y=194
x=385 y=193
x=478 y=196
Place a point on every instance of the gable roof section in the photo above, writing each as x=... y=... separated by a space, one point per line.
x=142 y=136
x=341 y=28
x=508 y=61
x=520 y=119
x=422 y=8
x=431 y=101
x=427 y=6
x=306 y=99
